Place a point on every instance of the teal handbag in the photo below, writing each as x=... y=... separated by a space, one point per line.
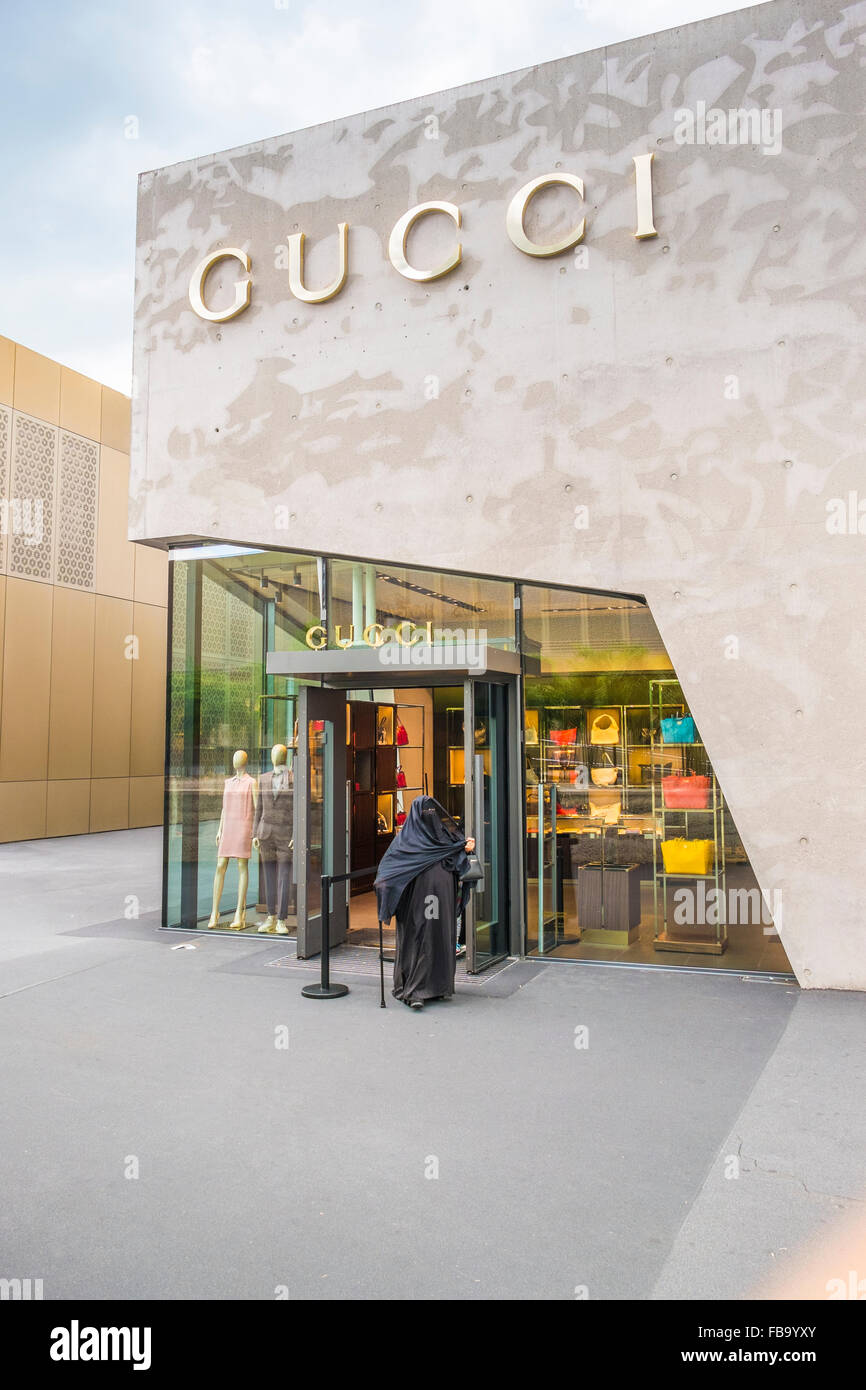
x=678 y=728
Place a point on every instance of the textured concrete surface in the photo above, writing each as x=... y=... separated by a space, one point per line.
x=699 y=393
x=304 y=1167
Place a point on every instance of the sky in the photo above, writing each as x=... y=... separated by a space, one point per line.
x=94 y=91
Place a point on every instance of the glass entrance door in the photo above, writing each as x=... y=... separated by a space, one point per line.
x=485 y=754
x=320 y=815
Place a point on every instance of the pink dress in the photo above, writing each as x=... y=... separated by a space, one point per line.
x=236 y=840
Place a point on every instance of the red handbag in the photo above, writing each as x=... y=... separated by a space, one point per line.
x=401 y=778
x=686 y=793
x=563 y=737
x=400 y=817
x=402 y=736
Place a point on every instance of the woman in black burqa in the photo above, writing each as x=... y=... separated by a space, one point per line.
x=418 y=882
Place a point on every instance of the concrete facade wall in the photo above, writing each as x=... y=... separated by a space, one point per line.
x=82 y=612
x=699 y=392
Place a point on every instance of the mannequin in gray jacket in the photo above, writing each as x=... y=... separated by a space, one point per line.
x=273 y=828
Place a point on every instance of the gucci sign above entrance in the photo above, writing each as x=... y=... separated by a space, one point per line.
x=399 y=236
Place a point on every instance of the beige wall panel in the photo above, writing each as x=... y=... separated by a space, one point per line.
x=112 y=688
x=68 y=808
x=37 y=385
x=151 y=575
x=22 y=811
x=114 y=429
x=115 y=555
x=109 y=803
x=2 y=627
x=147 y=753
x=27 y=681
x=80 y=403
x=145 y=801
x=71 y=708
x=7 y=370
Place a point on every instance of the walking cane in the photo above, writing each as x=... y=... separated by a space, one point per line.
x=381 y=970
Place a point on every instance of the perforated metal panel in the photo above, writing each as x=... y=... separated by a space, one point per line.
x=77 y=497
x=5 y=453
x=30 y=542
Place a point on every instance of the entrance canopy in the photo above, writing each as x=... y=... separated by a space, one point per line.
x=391 y=666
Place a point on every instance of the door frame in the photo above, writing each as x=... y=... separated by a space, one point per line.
x=512 y=803
x=318 y=702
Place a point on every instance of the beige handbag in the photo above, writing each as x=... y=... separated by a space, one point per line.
x=605 y=728
x=604 y=776
x=605 y=806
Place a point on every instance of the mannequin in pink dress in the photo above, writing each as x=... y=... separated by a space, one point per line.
x=234 y=839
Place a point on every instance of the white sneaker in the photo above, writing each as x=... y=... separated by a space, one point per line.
x=268 y=924
x=282 y=929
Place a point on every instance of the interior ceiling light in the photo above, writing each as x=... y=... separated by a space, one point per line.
x=431 y=593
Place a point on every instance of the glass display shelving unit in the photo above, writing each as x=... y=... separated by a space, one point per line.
x=706 y=932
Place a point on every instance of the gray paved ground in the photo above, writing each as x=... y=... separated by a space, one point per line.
x=305 y=1167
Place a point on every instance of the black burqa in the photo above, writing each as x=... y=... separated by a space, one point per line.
x=418 y=882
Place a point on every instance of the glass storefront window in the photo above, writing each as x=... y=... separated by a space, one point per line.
x=227 y=612
x=630 y=849
x=455 y=606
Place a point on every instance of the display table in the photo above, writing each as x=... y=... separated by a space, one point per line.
x=608 y=903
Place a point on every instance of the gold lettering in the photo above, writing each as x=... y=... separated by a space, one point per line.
x=316 y=646
x=342 y=641
x=517 y=211
x=400 y=236
x=643 y=175
x=378 y=639
x=243 y=288
x=405 y=641
x=296 y=268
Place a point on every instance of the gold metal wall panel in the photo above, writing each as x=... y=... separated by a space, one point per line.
x=2 y=627
x=37 y=385
x=7 y=371
x=30 y=553
x=68 y=808
x=151 y=575
x=114 y=425
x=77 y=499
x=112 y=687
x=71 y=710
x=109 y=804
x=145 y=801
x=5 y=472
x=27 y=681
x=115 y=555
x=80 y=404
x=22 y=811
x=147 y=750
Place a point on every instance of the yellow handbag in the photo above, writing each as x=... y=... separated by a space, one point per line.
x=688 y=856
x=605 y=727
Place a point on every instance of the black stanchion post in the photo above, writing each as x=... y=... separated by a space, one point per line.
x=381 y=970
x=324 y=989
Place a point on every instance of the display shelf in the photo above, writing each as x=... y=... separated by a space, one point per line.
x=374 y=757
x=673 y=823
